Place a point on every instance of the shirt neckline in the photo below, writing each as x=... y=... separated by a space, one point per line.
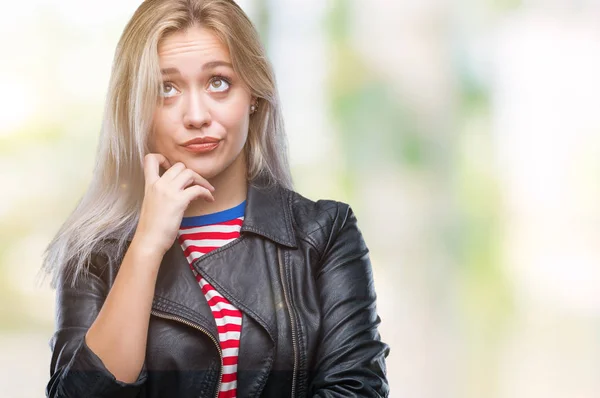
x=214 y=218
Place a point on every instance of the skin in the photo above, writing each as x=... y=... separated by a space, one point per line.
x=201 y=100
x=196 y=105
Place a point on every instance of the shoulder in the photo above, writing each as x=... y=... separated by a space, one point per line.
x=97 y=266
x=322 y=221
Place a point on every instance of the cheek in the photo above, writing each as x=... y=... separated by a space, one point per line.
x=234 y=117
x=161 y=128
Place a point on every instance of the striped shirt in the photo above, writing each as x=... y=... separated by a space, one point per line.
x=198 y=236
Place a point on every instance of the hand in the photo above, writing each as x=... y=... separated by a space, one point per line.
x=166 y=198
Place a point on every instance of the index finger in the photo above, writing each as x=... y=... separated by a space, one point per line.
x=152 y=163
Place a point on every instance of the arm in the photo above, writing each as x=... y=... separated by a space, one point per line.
x=119 y=333
x=351 y=357
x=100 y=342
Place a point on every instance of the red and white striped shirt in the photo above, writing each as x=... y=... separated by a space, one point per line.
x=198 y=236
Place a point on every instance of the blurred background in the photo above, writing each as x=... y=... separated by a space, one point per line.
x=464 y=134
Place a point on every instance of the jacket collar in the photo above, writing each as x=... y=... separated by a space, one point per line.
x=269 y=212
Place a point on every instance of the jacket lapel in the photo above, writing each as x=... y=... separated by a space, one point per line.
x=177 y=292
x=242 y=270
x=241 y=274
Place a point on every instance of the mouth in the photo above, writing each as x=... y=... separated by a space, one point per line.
x=201 y=144
x=200 y=148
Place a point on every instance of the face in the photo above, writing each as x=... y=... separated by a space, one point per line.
x=204 y=119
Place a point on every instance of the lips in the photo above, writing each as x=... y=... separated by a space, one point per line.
x=201 y=140
x=201 y=144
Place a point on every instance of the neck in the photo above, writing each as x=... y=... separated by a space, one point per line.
x=231 y=187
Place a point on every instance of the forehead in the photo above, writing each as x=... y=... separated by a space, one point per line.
x=194 y=42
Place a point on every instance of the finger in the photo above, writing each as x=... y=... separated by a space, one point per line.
x=152 y=162
x=196 y=191
x=164 y=165
x=173 y=171
x=188 y=177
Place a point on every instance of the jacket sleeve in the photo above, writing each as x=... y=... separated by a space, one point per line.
x=351 y=357
x=75 y=370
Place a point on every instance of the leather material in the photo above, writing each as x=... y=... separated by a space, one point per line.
x=301 y=275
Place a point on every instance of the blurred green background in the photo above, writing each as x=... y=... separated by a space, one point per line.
x=464 y=135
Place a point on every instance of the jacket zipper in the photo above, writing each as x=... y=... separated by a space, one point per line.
x=193 y=325
x=292 y=321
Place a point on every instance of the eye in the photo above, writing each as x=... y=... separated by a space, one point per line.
x=168 y=90
x=219 y=84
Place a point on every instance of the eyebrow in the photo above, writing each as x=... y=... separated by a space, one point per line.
x=206 y=66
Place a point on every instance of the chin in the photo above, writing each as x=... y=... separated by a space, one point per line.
x=213 y=168
x=208 y=172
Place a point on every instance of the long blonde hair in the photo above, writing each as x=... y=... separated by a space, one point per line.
x=112 y=202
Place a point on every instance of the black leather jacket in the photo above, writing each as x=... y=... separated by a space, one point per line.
x=300 y=273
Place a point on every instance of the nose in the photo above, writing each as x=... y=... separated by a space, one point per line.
x=196 y=113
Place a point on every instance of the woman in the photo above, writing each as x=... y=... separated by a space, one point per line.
x=190 y=268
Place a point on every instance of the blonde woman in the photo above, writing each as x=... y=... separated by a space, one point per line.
x=190 y=268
